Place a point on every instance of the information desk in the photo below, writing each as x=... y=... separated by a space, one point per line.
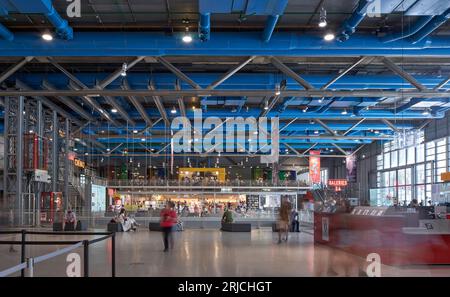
x=398 y=239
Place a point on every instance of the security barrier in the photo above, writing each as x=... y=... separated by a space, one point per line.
x=27 y=264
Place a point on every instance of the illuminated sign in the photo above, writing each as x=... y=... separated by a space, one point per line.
x=445 y=176
x=79 y=163
x=337 y=182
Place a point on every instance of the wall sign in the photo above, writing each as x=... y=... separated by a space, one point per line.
x=79 y=163
x=314 y=167
x=325 y=229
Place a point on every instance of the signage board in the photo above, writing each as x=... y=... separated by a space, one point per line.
x=337 y=182
x=79 y=163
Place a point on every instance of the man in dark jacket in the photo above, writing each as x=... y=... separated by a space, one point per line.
x=295 y=224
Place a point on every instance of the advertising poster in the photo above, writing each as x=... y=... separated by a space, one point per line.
x=98 y=198
x=314 y=167
x=351 y=168
x=325 y=229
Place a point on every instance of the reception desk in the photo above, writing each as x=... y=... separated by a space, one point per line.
x=398 y=239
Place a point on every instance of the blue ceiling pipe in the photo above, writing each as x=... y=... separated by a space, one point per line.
x=418 y=25
x=5 y=33
x=355 y=19
x=45 y=7
x=272 y=20
x=119 y=44
x=204 y=26
x=434 y=24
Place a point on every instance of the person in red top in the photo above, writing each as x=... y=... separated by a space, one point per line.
x=168 y=220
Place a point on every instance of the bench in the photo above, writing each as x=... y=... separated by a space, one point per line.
x=114 y=227
x=236 y=227
x=155 y=226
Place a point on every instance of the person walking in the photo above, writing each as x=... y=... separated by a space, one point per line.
x=283 y=220
x=168 y=219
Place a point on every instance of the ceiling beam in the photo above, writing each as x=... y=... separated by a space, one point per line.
x=345 y=71
x=11 y=70
x=289 y=72
x=137 y=104
x=354 y=126
x=113 y=76
x=390 y=125
x=178 y=73
x=370 y=93
x=159 y=105
x=230 y=73
x=403 y=74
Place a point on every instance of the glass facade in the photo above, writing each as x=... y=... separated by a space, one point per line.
x=408 y=173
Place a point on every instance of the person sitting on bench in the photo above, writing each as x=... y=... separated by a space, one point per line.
x=70 y=220
x=227 y=215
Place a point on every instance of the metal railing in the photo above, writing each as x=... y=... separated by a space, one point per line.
x=27 y=263
x=205 y=183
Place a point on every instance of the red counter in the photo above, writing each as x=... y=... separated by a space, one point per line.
x=384 y=235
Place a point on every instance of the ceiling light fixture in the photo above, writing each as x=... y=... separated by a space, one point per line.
x=173 y=111
x=187 y=38
x=323 y=18
x=344 y=112
x=124 y=70
x=321 y=99
x=305 y=109
x=426 y=112
x=266 y=105
x=47 y=37
x=114 y=110
x=277 y=89
x=329 y=37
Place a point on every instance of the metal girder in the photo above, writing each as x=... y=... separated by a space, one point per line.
x=271 y=104
x=310 y=148
x=92 y=102
x=112 y=101
x=442 y=84
x=230 y=73
x=113 y=76
x=344 y=72
x=325 y=126
x=292 y=149
x=137 y=104
x=358 y=149
x=21 y=85
x=403 y=74
x=354 y=126
x=406 y=106
x=180 y=100
x=289 y=72
x=178 y=73
x=370 y=93
x=11 y=70
x=390 y=125
x=159 y=105
x=69 y=102
x=155 y=155
x=339 y=148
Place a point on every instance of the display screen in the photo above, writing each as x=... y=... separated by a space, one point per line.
x=98 y=203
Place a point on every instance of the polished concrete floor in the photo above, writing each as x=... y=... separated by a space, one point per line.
x=211 y=253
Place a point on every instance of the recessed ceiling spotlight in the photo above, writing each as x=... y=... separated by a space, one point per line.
x=329 y=37
x=135 y=131
x=47 y=37
x=316 y=132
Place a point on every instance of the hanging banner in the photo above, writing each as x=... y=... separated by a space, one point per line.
x=314 y=167
x=350 y=162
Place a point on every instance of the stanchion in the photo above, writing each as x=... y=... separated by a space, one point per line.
x=30 y=267
x=22 y=251
x=113 y=255
x=86 y=257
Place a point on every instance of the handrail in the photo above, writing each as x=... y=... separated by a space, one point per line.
x=13 y=269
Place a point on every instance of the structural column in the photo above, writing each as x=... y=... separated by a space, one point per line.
x=55 y=167
x=18 y=204
x=66 y=165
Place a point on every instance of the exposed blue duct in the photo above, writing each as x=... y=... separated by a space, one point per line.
x=418 y=25
x=5 y=33
x=204 y=26
x=434 y=24
x=271 y=23
x=355 y=19
x=45 y=7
